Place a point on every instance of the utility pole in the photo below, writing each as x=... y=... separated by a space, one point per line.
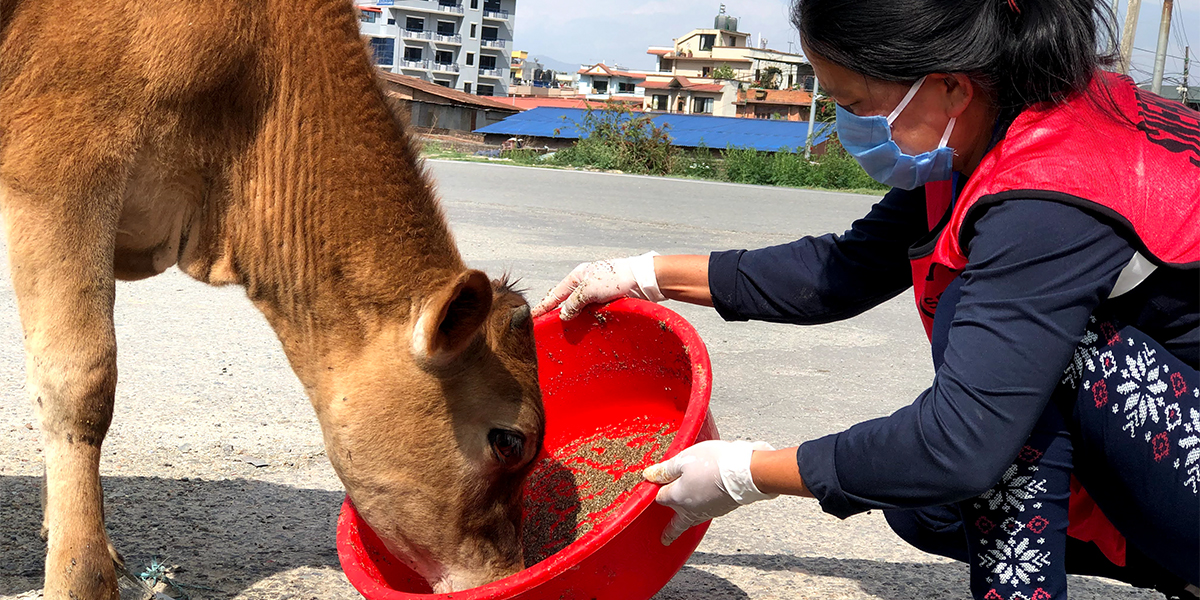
x=1183 y=91
x=1160 y=54
x=1131 y=18
x=812 y=119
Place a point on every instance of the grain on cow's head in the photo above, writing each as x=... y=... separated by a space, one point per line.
x=250 y=144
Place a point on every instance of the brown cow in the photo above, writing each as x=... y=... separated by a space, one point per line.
x=248 y=143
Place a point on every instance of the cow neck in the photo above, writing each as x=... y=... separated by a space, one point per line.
x=338 y=223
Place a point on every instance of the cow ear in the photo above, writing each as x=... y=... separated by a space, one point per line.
x=452 y=318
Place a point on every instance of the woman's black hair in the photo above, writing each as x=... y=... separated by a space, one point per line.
x=1021 y=51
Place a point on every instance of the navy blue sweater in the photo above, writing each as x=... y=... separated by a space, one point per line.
x=1004 y=332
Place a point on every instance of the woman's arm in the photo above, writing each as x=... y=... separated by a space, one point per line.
x=683 y=277
x=827 y=278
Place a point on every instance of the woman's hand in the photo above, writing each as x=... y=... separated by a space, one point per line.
x=603 y=281
x=705 y=481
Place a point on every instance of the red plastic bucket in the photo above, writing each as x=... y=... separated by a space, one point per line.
x=628 y=360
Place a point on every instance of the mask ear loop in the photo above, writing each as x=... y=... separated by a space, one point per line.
x=912 y=91
x=946 y=135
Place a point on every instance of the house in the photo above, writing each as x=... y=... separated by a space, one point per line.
x=679 y=94
x=432 y=108
x=602 y=82
x=787 y=105
x=1175 y=92
x=459 y=44
x=721 y=57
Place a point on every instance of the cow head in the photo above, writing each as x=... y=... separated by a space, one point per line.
x=433 y=425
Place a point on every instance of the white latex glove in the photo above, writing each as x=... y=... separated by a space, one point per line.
x=603 y=281
x=705 y=481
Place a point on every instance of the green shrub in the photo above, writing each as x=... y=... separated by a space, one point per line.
x=616 y=138
x=523 y=156
x=747 y=165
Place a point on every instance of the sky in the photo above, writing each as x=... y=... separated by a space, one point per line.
x=619 y=31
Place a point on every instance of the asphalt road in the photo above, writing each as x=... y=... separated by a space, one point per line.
x=205 y=391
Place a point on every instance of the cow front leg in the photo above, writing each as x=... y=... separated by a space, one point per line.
x=61 y=257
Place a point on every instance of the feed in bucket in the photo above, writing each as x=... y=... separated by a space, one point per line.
x=624 y=386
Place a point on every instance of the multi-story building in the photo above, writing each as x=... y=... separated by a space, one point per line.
x=703 y=71
x=602 y=82
x=460 y=44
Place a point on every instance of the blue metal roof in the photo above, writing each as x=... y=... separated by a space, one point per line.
x=685 y=130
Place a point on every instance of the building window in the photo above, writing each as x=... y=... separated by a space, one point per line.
x=412 y=53
x=487 y=62
x=599 y=86
x=472 y=31
x=445 y=28
x=414 y=24
x=702 y=105
x=367 y=16
x=442 y=82
x=384 y=50
x=485 y=90
x=447 y=2
x=624 y=87
x=707 y=41
x=443 y=57
x=467 y=87
x=706 y=72
x=659 y=102
x=391 y=21
x=474 y=4
x=470 y=58
x=491 y=34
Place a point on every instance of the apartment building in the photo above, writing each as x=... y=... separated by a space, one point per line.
x=464 y=45
x=703 y=71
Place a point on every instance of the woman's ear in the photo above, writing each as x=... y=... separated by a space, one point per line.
x=960 y=90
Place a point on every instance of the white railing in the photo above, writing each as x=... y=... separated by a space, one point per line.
x=496 y=73
x=415 y=64
x=416 y=35
x=445 y=67
x=501 y=15
x=447 y=39
x=493 y=43
x=451 y=8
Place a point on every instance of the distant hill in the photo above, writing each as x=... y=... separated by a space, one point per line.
x=555 y=65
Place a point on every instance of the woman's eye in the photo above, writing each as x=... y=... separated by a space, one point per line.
x=507 y=446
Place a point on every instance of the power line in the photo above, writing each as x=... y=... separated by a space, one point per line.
x=1153 y=52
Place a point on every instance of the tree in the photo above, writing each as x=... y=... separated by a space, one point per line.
x=724 y=72
x=768 y=78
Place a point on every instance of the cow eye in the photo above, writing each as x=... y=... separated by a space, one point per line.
x=507 y=446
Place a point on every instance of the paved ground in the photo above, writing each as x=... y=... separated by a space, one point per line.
x=205 y=388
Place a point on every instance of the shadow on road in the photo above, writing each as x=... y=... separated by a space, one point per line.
x=224 y=535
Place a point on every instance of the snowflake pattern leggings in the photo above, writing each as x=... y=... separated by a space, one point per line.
x=1126 y=424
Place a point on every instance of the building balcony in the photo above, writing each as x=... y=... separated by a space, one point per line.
x=445 y=67
x=412 y=34
x=493 y=73
x=428 y=6
x=420 y=65
x=497 y=15
x=377 y=29
x=496 y=44
x=447 y=39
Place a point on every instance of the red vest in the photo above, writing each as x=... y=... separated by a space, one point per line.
x=1143 y=176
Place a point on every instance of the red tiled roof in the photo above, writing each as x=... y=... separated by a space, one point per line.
x=659 y=51
x=370 y=9
x=774 y=97
x=526 y=103
x=680 y=82
x=609 y=71
x=445 y=92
